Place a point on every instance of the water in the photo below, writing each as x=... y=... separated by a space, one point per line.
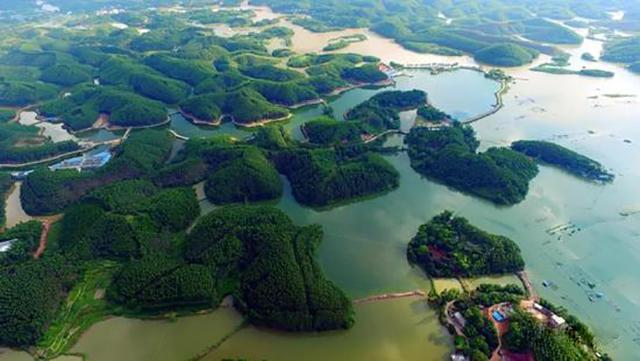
x=363 y=250
x=126 y=339
x=13 y=207
x=395 y=330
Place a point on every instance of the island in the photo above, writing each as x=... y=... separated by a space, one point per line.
x=366 y=121
x=566 y=159
x=180 y=185
x=507 y=55
x=490 y=320
x=449 y=246
x=449 y=155
x=496 y=33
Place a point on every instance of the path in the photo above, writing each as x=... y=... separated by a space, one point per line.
x=499 y=104
x=390 y=296
x=531 y=292
x=46 y=227
x=177 y=135
x=450 y=320
x=386 y=132
x=84 y=147
x=501 y=327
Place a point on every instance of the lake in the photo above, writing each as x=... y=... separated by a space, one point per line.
x=364 y=245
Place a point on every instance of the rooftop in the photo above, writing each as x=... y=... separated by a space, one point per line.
x=6 y=245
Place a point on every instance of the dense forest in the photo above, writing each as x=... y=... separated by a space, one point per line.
x=449 y=155
x=270 y=261
x=371 y=117
x=527 y=335
x=322 y=177
x=140 y=217
x=564 y=158
x=449 y=246
x=46 y=191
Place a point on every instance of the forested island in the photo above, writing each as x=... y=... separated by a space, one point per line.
x=136 y=212
x=449 y=155
x=130 y=238
x=490 y=320
x=557 y=155
x=366 y=120
x=449 y=246
x=497 y=33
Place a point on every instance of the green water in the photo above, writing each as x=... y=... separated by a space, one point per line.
x=364 y=245
x=441 y=89
x=394 y=330
x=125 y=339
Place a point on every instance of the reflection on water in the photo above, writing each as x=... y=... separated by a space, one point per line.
x=364 y=245
x=393 y=330
x=125 y=339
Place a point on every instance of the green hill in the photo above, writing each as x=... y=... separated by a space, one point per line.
x=506 y=54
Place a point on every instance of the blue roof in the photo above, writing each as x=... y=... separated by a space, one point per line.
x=498 y=316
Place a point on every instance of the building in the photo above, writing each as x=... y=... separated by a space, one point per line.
x=498 y=316
x=21 y=175
x=556 y=321
x=459 y=357
x=86 y=161
x=459 y=319
x=5 y=246
x=388 y=70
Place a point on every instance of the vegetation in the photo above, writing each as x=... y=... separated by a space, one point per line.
x=505 y=55
x=6 y=183
x=467 y=28
x=81 y=109
x=278 y=282
x=596 y=73
x=45 y=191
x=19 y=93
x=449 y=246
x=27 y=238
x=247 y=177
x=430 y=113
x=380 y=112
x=22 y=144
x=6 y=115
x=449 y=155
x=244 y=106
x=66 y=74
x=328 y=131
x=527 y=335
x=30 y=291
x=623 y=50
x=157 y=283
x=323 y=177
x=564 y=158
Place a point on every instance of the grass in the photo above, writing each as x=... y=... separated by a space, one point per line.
x=81 y=310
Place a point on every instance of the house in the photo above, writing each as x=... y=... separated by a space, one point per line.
x=5 y=246
x=556 y=321
x=459 y=357
x=86 y=161
x=459 y=319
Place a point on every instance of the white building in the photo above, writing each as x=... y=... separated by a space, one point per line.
x=6 y=245
x=556 y=321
